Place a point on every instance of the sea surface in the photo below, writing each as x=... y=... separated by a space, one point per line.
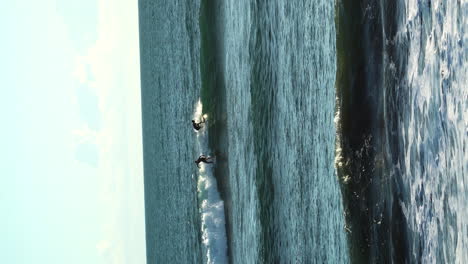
x=170 y=86
x=339 y=131
x=402 y=125
x=277 y=65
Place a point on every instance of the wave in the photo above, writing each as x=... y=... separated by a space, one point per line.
x=211 y=206
x=401 y=144
x=432 y=131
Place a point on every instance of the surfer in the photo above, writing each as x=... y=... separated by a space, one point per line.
x=205 y=159
x=198 y=126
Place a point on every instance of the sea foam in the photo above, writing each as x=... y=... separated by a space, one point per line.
x=211 y=207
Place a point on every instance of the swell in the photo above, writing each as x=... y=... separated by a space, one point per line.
x=213 y=98
x=263 y=79
x=366 y=33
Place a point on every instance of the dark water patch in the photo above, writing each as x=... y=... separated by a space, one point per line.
x=262 y=89
x=213 y=97
x=369 y=62
x=395 y=68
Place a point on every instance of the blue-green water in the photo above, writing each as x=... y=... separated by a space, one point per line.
x=279 y=68
x=265 y=74
x=170 y=80
x=269 y=75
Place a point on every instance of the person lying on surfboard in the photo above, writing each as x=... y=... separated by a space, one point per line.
x=198 y=126
x=205 y=159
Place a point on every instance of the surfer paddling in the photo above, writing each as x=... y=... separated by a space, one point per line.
x=205 y=159
x=198 y=126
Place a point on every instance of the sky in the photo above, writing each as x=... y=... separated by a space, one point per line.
x=71 y=166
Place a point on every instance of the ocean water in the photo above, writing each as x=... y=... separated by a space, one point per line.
x=432 y=131
x=339 y=131
x=170 y=84
x=264 y=74
x=402 y=129
x=279 y=71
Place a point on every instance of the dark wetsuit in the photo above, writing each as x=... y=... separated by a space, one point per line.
x=198 y=126
x=204 y=159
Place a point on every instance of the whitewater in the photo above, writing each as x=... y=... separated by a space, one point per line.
x=213 y=224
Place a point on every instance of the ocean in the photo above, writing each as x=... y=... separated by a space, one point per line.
x=402 y=129
x=170 y=86
x=338 y=131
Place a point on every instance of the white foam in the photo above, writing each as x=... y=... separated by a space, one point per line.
x=211 y=207
x=435 y=165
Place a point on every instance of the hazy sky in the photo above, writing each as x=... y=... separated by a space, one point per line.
x=71 y=155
